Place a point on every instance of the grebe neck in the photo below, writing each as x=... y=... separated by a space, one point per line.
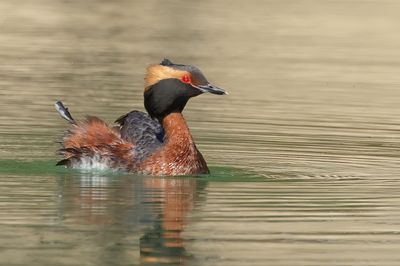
x=175 y=128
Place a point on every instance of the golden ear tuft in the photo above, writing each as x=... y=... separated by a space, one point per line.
x=155 y=73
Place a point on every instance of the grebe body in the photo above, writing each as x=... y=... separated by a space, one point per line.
x=154 y=143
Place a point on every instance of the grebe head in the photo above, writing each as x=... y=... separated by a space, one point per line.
x=169 y=86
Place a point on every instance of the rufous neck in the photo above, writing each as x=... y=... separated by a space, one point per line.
x=175 y=127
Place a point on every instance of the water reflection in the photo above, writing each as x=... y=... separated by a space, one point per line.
x=172 y=199
x=152 y=212
x=314 y=95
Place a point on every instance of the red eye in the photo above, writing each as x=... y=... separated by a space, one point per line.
x=186 y=79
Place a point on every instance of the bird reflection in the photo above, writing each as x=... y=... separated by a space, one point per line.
x=142 y=218
x=163 y=243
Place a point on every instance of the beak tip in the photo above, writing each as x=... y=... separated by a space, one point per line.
x=212 y=89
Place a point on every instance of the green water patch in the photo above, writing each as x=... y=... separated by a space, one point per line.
x=232 y=174
x=48 y=167
x=30 y=168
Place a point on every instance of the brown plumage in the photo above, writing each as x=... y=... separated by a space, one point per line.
x=179 y=156
x=94 y=140
x=157 y=143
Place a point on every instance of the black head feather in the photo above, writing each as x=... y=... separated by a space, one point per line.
x=170 y=95
x=166 y=62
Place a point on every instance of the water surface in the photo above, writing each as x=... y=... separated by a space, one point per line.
x=303 y=152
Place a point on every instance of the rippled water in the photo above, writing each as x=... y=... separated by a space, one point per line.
x=303 y=152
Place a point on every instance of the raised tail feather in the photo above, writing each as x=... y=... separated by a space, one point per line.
x=92 y=144
x=63 y=111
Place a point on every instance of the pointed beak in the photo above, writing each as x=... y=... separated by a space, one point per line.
x=211 y=89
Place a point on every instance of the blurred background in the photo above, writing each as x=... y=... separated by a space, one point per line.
x=313 y=115
x=313 y=84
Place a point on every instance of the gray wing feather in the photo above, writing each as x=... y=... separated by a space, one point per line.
x=139 y=128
